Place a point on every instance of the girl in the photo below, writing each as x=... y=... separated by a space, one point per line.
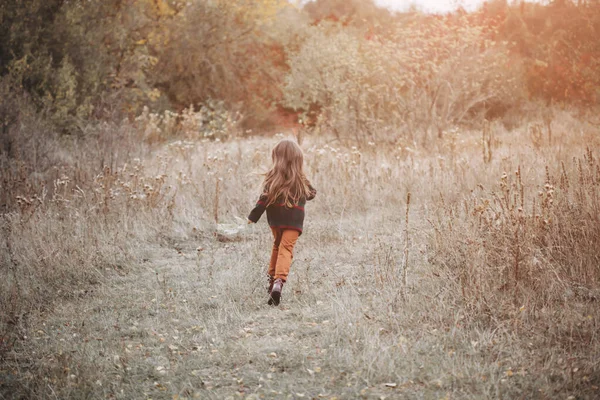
x=285 y=192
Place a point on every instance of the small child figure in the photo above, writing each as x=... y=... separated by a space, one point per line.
x=285 y=192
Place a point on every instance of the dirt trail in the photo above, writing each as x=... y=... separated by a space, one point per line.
x=193 y=324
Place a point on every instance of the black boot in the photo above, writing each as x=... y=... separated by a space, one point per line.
x=271 y=281
x=276 y=292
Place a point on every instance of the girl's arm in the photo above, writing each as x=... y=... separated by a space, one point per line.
x=313 y=192
x=259 y=209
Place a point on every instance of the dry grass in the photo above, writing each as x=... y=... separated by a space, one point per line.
x=500 y=299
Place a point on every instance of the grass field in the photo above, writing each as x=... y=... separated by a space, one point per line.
x=484 y=284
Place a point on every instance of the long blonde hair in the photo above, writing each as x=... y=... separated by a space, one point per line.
x=285 y=182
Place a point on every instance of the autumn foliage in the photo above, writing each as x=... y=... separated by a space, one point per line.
x=558 y=44
x=348 y=67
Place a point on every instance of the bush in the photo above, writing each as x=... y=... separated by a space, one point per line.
x=211 y=121
x=434 y=74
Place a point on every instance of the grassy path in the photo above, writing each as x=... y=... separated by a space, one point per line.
x=190 y=324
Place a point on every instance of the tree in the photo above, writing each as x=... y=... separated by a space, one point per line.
x=436 y=72
x=559 y=44
x=78 y=59
x=221 y=50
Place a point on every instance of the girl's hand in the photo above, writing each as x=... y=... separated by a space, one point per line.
x=250 y=222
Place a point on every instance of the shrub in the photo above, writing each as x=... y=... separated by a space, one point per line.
x=211 y=121
x=434 y=74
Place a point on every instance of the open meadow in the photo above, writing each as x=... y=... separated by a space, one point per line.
x=489 y=291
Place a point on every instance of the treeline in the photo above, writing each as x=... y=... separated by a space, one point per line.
x=344 y=66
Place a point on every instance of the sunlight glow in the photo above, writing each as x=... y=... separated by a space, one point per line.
x=435 y=6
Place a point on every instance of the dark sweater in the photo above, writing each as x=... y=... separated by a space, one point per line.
x=281 y=216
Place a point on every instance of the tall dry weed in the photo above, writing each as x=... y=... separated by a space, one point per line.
x=523 y=243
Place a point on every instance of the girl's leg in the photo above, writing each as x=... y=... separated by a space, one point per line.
x=275 y=251
x=285 y=253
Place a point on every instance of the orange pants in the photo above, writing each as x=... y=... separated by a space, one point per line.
x=282 y=253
